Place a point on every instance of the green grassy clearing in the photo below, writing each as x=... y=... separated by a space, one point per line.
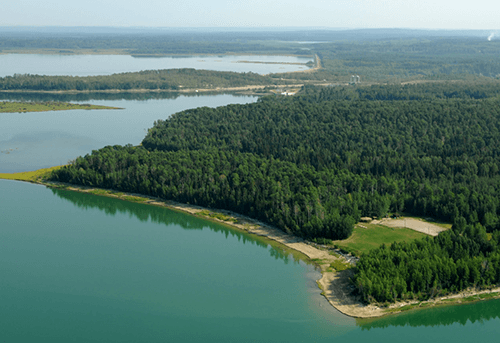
x=339 y=265
x=220 y=216
x=133 y=198
x=363 y=240
x=29 y=176
x=22 y=107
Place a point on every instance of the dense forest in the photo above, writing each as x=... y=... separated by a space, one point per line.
x=417 y=59
x=313 y=164
x=455 y=260
x=300 y=162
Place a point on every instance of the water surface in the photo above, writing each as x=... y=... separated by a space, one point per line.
x=83 y=268
x=85 y=65
x=34 y=140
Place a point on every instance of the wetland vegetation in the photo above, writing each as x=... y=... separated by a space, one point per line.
x=20 y=107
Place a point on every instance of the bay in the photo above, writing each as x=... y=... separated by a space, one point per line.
x=34 y=140
x=85 y=65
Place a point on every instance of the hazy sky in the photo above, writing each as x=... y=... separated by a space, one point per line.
x=431 y=14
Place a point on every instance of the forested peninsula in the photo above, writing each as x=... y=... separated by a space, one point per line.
x=149 y=80
x=313 y=164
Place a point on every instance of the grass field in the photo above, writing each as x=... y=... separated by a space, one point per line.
x=28 y=176
x=363 y=239
x=20 y=107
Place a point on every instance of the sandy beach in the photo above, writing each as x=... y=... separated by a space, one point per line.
x=336 y=286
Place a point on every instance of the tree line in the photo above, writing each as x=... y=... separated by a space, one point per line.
x=312 y=165
x=436 y=158
x=455 y=260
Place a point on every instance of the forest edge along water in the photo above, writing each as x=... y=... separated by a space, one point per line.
x=335 y=285
x=184 y=80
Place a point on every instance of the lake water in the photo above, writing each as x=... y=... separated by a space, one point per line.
x=83 y=268
x=84 y=65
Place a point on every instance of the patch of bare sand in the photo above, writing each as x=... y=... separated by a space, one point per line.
x=412 y=223
x=337 y=290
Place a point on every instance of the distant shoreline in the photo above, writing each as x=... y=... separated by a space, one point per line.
x=246 y=88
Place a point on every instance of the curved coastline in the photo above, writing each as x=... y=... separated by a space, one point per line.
x=335 y=286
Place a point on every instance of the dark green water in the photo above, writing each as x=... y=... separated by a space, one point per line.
x=82 y=268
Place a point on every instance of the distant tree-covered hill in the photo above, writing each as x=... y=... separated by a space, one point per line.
x=167 y=79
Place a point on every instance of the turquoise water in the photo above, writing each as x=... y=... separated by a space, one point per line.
x=30 y=141
x=83 y=268
x=85 y=65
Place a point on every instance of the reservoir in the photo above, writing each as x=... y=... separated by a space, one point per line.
x=85 y=65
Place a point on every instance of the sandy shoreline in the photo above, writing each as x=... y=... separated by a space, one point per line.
x=336 y=286
x=332 y=285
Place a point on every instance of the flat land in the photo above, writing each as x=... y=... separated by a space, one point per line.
x=366 y=237
x=30 y=176
x=22 y=107
x=416 y=224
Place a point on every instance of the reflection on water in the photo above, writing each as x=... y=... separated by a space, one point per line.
x=82 y=268
x=479 y=312
x=146 y=213
x=78 y=97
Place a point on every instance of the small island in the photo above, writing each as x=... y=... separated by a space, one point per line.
x=28 y=106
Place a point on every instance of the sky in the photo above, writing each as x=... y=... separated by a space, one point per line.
x=417 y=14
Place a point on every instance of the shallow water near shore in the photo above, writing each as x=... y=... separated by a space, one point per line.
x=79 y=267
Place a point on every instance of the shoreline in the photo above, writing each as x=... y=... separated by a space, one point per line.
x=335 y=286
x=247 y=88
